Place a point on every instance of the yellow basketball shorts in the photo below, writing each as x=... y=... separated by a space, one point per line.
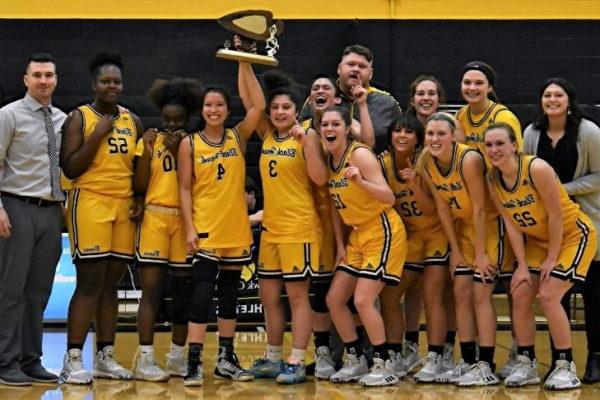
x=161 y=238
x=426 y=246
x=225 y=255
x=497 y=248
x=327 y=254
x=99 y=226
x=377 y=250
x=575 y=257
x=288 y=261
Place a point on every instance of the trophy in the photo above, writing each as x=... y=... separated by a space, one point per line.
x=251 y=26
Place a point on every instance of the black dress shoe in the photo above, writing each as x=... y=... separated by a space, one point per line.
x=14 y=377
x=592 y=369
x=39 y=374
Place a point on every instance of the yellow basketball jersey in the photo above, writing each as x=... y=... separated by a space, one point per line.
x=163 y=188
x=452 y=188
x=527 y=209
x=406 y=203
x=475 y=125
x=355 y=205
x=219 y=202
x=290 y=214
x=112 y=167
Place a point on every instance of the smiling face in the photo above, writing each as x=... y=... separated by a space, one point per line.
x=322 y=94
x=439 y=138
x=354 y=70
x=108 y=84
x=282 y=112
x=555 y=101
x=475 y=87
x=499 y=147
x=426 y=99
x=404 y=140
x=334 y=130
x=215 y=109
x=40 y=80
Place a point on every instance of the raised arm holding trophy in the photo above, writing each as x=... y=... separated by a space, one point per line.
x=252 y=26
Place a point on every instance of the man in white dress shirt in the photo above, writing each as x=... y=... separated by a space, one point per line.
x=30 y=221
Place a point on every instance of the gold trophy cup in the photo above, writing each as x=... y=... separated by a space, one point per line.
x=251 y=26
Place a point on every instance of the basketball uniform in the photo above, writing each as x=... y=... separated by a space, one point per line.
x=291 y=238
x=161 y=234
x=451 y=187
x=427 y=242
x=377 y=245
x=526 y=208
x=220 y=213
x=101 y=198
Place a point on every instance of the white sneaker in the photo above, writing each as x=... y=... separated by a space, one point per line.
x=452 y=375
x=397 y=364
x=73 y=371
x=511 y=363
x=563 y=377
x=176 y=365
x=381 y=374
x=324 y=365
x=411 y=356
x=525 y=373
x=479 y=374
x=145 y=368
x=353 y=369
x=432 y=367
x=105 y=366
x=448 y=363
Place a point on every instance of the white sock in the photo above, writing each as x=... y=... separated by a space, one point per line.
x=298 y=355
x=176 y=350
x=147 y=349
x=273 y=353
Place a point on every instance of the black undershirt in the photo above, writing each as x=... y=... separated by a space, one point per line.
x=563 y=157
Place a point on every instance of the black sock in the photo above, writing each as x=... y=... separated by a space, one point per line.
x=381 y=351
x=467 y=351
x=395 y=347
x=321 y=339
x=101 y=345
x=436 y=349
x=362 y=333
x=562 y=354
x=225 y=347
x=195 y=353
x=450 y=337
x=486 y=353
x=528 y=351
x=412 y=336
x=354 y=347
x=74 y=346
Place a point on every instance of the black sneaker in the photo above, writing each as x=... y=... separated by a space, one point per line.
x=194 y=376
x=592 y=369
x=14 y=377
x=39 y=374
x=228 y=367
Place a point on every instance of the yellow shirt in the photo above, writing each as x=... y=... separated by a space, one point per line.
x=406 y=203
x=111 y=169
x=474 y=125
x=220 y=213
x=525 y=206
x=452 y=188
x=356 y=206
x=163 y=188
x=290 y=213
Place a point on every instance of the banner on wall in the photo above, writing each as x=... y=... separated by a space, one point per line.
x=63 y=286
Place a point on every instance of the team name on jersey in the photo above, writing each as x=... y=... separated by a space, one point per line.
x=221 y=154
x=449 y=187
x=342 y=183
x=276 y=151
x=473 y=138
x=515 y=203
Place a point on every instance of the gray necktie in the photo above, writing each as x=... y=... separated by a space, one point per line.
x=53 y=155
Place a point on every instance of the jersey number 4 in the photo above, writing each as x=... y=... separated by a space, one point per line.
x=220 y=171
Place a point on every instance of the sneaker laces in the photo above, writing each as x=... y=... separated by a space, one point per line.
x=108 y=358
x=232 y=361
x=378 y=365
x=76 y=360
x=350 y=361
x=560 y=366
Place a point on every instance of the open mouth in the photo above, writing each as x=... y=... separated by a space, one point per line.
x=330 y=138
x=320 y=100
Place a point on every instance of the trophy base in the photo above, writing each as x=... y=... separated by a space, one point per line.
x=247 y=57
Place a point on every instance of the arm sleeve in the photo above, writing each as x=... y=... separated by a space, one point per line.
x=590 y=182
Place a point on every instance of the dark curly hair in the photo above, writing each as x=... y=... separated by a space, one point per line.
x=185 y=92
x=102 y=58
x=279 y=83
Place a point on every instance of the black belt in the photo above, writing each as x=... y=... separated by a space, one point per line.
x=31 y=200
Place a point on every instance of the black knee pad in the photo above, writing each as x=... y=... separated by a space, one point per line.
x=228 y=285
x=182 y=290
x=318 y=301
x=204 y=277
